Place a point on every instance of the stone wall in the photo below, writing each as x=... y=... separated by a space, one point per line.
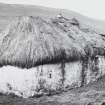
x=50 y=78
x=38 y=80
x=27 y=82
x=73 y=74
x=96 y=69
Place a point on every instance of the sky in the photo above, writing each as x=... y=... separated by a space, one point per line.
x=91 y=8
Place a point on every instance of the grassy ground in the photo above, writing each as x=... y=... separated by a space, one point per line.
x=92 y=94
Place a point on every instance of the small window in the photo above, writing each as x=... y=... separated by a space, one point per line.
x=50 y=74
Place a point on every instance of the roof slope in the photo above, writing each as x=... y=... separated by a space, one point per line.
x=30 y=41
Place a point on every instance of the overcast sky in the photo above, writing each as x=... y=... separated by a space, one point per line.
x=90 y=8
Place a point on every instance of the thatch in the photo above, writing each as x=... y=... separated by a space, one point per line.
x=31 y=41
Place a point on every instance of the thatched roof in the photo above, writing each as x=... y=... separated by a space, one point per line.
x=29 y=41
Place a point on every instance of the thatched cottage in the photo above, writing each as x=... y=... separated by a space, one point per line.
x=40 y=56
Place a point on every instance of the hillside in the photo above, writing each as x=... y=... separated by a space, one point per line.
x=8 y=11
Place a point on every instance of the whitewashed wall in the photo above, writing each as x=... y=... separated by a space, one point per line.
x=101 y=65
x=28 y=82
x=94 y=75
x=25 y=82
x=73 y=74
